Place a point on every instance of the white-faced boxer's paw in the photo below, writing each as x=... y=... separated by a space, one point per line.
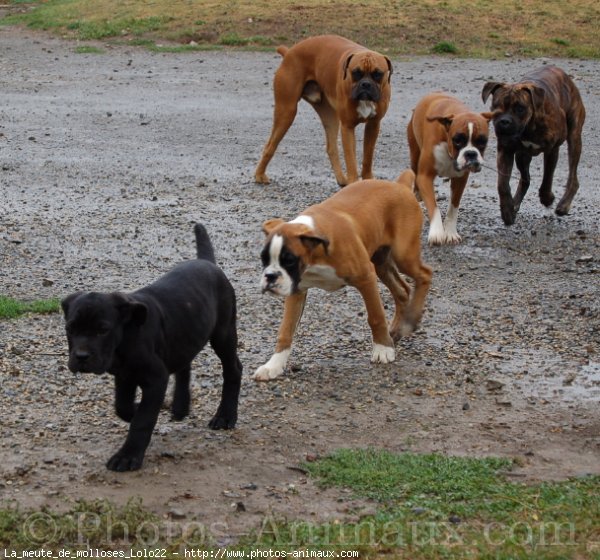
x=273 y=368
x=383 y=354
x=437 y=233
x=450 y=226
x=452 y=237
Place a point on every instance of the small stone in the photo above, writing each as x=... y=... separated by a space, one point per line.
x=175 y=513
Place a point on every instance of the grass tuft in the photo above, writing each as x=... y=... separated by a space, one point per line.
x=445 y=47
x=88 y=49
x=11 y=308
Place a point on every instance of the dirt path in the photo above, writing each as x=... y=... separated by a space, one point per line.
x=107 y=160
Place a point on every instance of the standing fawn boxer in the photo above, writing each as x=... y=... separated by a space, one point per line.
x=369 y=230
x=534 y=116
x=446 y=139
x=346 y=84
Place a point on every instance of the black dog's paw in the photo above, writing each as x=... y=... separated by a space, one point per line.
x=179 y=412
x=122 y=462
x=126 y=413
x=222 y=422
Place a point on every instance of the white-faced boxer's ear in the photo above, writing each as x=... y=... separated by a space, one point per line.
x=313 y=241
x=346 y=64
x=390 y=68
x=65 y=303
x=270 y=225
x=489 y=88
x=446 y=120
x=488 y=116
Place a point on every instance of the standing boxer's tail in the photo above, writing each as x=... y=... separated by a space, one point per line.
x=282 y=50
x=204 y=248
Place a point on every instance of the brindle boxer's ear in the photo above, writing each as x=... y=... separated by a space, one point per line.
x=270 y=225
x=66 y=302
x=346 y=64
x=446 y=120
x=313 y=241
x=390 y=68
x=490 y=88
x=538 y=96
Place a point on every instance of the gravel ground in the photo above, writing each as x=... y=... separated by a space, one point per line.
x=107 y=160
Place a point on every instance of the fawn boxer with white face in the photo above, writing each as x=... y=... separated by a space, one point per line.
x=369 y=230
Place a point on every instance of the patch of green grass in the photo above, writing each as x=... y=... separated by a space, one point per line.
x=445 y=47
x=562 y=42
x=409 y=27
x=98 y=522
x=90 y=30
x=426 y=507
x=11 y=308
x=434 y=506
x=88 y=49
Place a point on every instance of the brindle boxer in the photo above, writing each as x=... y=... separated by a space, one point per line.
x=346 y=84
x=533 y=116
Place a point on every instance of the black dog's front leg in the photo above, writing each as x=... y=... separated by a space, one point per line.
x=125 y=397
x=131 y=454
x=226 y=348
x=505 y=162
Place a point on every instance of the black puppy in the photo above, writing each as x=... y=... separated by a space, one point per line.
x=142 y=337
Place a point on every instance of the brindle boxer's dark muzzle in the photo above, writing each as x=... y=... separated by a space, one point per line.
x=508 y=129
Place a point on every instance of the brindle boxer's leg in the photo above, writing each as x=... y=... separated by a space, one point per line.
x=371 y=133
x=505 y=161
x=292 y=313
x=331 y=124
x=550 y=161
x=457 y=187
x=349 y=145
x=574 y=145
x=523 y=160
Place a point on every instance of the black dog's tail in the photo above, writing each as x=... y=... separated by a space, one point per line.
x=204 y=248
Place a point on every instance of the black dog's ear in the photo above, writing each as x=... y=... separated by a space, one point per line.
x=390 y=68
x=346 y=64
x=489 y=89
x=131 y=311
x=66 y=302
